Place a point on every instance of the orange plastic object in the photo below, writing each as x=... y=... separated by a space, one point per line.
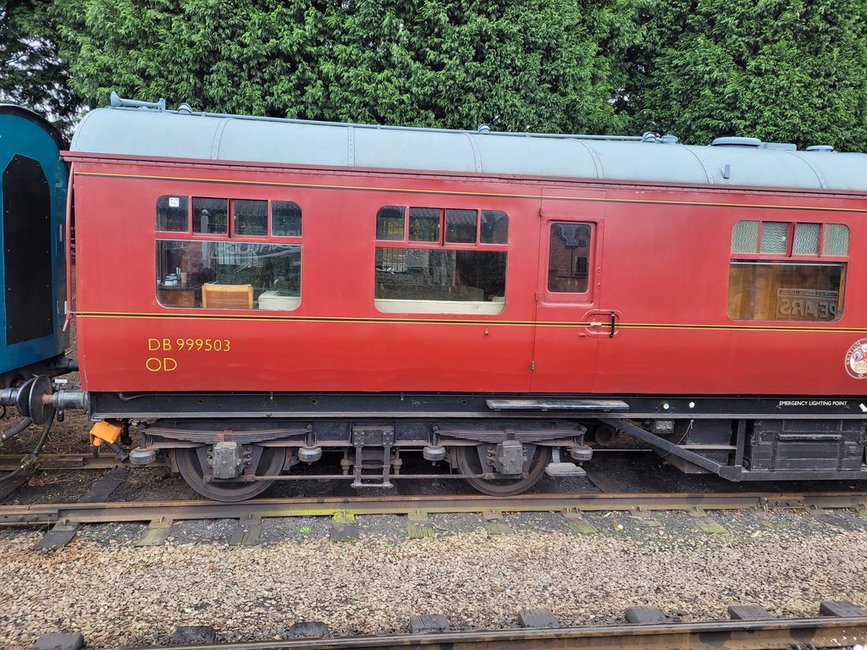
x=104 y=432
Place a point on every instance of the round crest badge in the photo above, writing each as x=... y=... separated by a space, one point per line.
x=856 y=359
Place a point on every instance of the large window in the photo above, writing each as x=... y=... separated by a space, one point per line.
x=440 y=260
x=205 y=259
x=787 y=271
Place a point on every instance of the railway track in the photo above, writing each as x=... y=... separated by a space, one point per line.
x=160 y=516
x=839 y=625
x=59 y=462
x=49 y=462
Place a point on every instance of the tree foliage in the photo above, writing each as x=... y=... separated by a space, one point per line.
x=520 y=65
x=784 y=70
x=31 y=72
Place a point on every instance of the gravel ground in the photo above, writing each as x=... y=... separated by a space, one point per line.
x=115 y=593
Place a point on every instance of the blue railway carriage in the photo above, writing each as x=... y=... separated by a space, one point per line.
x=33 y=185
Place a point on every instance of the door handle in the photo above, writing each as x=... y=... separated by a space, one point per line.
x=613 y=324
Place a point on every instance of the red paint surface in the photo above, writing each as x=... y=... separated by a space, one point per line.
x=653 y=263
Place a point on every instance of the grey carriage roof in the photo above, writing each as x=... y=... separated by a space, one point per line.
x=150 y=131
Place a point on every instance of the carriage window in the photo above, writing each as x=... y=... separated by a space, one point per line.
x=390 y=223
x=228 y=275
x=250 y=217
x=786 y=291
x=461 y=226
x=568 y=258
x=774 y=238
x=285 y=219
x=775 y=235
x=494 y=227
x=209 y=215
x=806 y=241
x=424 y=224
x=434 y=280
x=454 y=273
x=803 y=286
x=745 y=237
x=836 y=240
x=173 y=214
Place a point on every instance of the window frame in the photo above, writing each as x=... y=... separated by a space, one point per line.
x=406 y=243
x=582 y=297
x=233 y=233
x=211 y=235
x=790 y=243
x=227 y=237
x=790 y=258
x=189 y=209
x=284 y=238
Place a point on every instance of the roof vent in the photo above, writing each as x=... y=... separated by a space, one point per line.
x=734 y=141
x=185 y=109
x=826 y=148
x=119 y=102
x=484 y=128
x=650 y=136
x=779 y=146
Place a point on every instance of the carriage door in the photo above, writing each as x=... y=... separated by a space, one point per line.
x=570 y=324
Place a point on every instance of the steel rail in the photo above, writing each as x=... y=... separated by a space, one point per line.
x=144 y=511
x=825 y=632
x=72 y=461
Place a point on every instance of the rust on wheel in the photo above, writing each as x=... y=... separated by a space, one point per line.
x=472 y=460
x=190 y=462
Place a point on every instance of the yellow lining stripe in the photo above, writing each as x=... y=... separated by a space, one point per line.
x=446 y=321
x=591 y=199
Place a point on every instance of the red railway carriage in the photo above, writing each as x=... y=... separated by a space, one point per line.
x=252 y=293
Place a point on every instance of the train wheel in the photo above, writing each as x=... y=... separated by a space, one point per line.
x=471 y=460
x=189 y=462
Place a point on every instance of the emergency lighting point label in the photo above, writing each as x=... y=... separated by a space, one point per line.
x=856 y=359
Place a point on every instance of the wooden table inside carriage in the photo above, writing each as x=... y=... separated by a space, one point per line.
x=176 y=296
x=241 y=297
